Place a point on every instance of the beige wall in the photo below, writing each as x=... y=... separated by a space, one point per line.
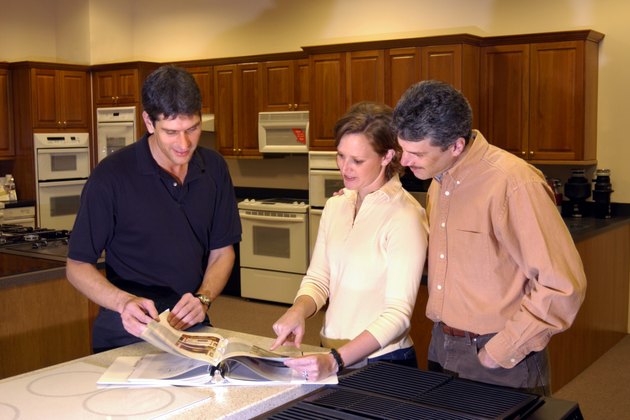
x=100 y=31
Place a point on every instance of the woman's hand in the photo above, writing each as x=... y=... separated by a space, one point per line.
x=289 y=328
x=314 y=367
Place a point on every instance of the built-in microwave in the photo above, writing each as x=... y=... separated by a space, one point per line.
x=283 y=132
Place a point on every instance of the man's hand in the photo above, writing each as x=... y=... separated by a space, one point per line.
x=486 y=360
x=187 y=312
x=137 y=313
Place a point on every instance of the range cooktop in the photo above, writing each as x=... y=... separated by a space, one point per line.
x=39 y=242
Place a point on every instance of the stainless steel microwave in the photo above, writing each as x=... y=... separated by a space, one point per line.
x=283 y=132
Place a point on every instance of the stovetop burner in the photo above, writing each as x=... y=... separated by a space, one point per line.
x=13 y=235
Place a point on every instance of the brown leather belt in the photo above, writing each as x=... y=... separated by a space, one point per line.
x=457 y=333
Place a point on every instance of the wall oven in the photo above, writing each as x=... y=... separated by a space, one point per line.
x=324 y=179
x=62 y=165
x=115 y=129
x=274 y=248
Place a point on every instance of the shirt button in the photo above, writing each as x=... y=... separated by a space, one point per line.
x=512 y=360
x=439 y=287
x=174 y=184
x=447 y=193
x=443 y=224
x=441 y=256
x=457 y=182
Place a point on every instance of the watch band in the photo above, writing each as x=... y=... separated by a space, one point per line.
x=205 y=300
x=340 y=364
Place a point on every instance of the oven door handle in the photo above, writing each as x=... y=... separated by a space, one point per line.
x=46 y=184
x=272 y=218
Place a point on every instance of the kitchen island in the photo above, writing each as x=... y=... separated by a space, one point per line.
x=61 y=383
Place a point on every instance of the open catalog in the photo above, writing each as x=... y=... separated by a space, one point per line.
x=202 y=359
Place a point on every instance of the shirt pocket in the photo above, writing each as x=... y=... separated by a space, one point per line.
x=469 y=256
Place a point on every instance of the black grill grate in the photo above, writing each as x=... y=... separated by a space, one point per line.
x=393 y=392
x=394 y=380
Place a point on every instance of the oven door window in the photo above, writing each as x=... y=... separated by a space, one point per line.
x=272 y=241
x=113 y=137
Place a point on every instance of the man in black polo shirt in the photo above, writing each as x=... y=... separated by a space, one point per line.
x=164 y=212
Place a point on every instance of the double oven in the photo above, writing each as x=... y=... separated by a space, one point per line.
x=62 y=166
x=324 y=179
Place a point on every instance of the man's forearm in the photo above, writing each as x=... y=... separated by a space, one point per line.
x=90 y=282
x=220 y=263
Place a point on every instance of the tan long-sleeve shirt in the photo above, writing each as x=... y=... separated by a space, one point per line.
x=501 y=259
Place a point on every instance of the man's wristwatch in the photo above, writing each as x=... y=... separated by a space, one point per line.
x=205 y=300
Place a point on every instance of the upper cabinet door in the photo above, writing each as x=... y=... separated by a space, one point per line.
x=557 y=101
x=504 y=96
x=328 y=98
x=7 y=145
x=402 y=69
x=203 y=77
x=73 y=99
x=44 y=98
x=365 y=76
x=444 y=63
x=247 y=107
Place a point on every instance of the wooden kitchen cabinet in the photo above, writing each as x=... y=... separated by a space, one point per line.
x=402 y=69
x=7 y=145
x=60 y=98
x=203 y=77
x=350 y=73
x=539 y=99
x=116 y=87
x=42 y=323
x=285 y=85
x=365 y=76
x=237 y=103
x=328 y=98
x=120 y=84
x=456 y=64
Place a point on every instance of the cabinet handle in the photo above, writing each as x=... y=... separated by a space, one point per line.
x=295 y=106
x=523 y=152
x=290 y=107
x=531 y=153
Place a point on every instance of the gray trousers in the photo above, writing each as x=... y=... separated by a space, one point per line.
x=458 y=356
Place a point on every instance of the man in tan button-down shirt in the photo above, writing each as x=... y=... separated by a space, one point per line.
x=504 y=273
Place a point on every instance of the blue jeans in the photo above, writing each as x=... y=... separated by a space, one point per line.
x=405 y=357
x=458 y=356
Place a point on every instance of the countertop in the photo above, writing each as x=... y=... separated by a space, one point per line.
x=17 y=203
x=221 y=402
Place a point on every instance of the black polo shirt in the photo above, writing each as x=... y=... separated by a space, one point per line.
x=155 y=231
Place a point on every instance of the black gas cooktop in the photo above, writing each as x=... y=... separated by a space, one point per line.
x=29 y=241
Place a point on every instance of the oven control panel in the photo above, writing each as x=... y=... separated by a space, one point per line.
x=45 y=140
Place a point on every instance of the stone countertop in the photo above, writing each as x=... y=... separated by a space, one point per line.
x=587 y=227
x=224 y=402
x=17 y=203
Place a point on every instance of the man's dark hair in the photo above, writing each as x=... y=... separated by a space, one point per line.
x=170 y=91
x=434 y=111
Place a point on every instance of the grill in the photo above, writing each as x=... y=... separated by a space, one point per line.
x=387 y=391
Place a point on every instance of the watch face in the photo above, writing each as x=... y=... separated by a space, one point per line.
x=204 y=299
